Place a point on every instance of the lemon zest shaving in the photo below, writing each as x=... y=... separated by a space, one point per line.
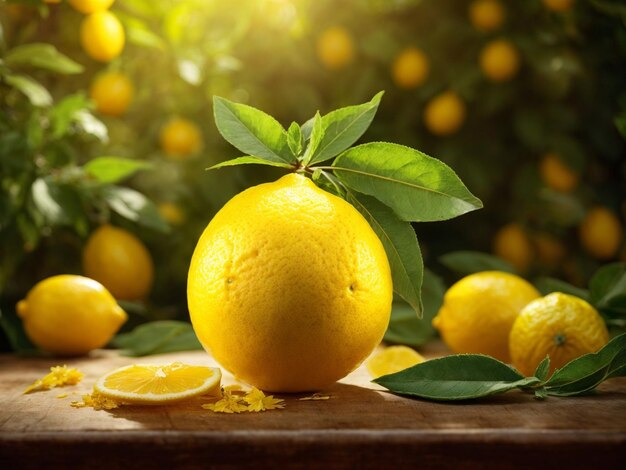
x=316 y=396
x=59 y=376
x=253 y=401
x=62 y=395
x=96 y=401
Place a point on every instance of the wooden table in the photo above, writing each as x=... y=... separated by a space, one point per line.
x=361 y=426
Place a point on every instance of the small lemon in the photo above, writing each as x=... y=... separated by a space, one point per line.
x=410 y=68
x=70 y=315
x=91 y=6
x=487 y=15
x=556 y=174
x=289 y=287
x=558 y=5
x=512 y=244
x=172 y=213
x=479 y=310
x=444 y=114
x=549 y=249
x=335 y=48
x=120 y=261
x=180 y=138
x=112 y=92
x=499 y=60
x=601 y=233
x=102 y=36
x=393 y=359
x=559 y=325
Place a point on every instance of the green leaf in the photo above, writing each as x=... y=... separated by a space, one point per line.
x=34 y=91
x=543 y=369
x=400 y=243
x=92 y=125
x=157 y=337
x=252 y=131
x=133 y=205
x=295 y=139
x=248 y=160
x=58 y=204
x=66 y=112
x=456 y=377
x=44 y=56
x=13 y=328
x=315 y=138
x=343 y=127
x=582 y=375
x=417 y=187
x=469 y=262
x=547 y=285
x=114 y=169
x=608 y=287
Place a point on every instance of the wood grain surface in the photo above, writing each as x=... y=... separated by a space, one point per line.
x=360 y=426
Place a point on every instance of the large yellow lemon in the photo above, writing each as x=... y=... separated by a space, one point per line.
x=102 y=36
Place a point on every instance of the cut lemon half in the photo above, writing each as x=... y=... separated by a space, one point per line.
x=393 y=359
x=154 y=384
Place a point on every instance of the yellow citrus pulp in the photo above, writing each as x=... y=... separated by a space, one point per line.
x=393 y=359
x=335 y=48
x=444 y=114
x=112 y=92
x=289 y=287
x=102 y=36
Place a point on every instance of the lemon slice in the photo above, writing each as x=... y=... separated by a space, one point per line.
x=393 y=359
x=154 y=384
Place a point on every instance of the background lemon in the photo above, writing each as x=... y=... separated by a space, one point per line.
x=550 y=250
x=289 y=287
x=410 y=68
x=558 y=5
x=393 y=359
x=120 y=261
x=511 y=243
x=180 y=138
x=556 y=174
x=479 y=310
x=70 y=315
x=112 y=92
x=444 y=114
x=91 y=6
x=486 y=15
x=335 y=47
x=499 y=60
x=102 y=36
x=559 y=325
x=601 y=233
x=172 y=213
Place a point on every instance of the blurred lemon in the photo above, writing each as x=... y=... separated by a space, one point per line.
x=479 y=310
x=549 y=249
x=486 y=15
x=120 y=261
x=511 y=243
x=499 y=60
x=444 y=114
x=556 y=174
x=410 y=68
x=180 y=138
x=558 y=5
x=102 y=36
x=335 y=47
x=172 y=213
x=70 y=315
x=91 y=6
x=112 y=92
x=269 y=276
x=559 y=325
x=601 y=233
x=393 y=359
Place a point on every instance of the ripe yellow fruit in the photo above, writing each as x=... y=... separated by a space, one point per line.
x=499 y=60
x=410 y=68
x=102 y=36
x=112 y=92
x=172 y=213
x=159 y=385
x=487 y=15
x=558 y=5
x=91 y=6
x=70 y=315
x=601 y=233
x=393 y=359
x=512 y=244
x=444 y=114
x=180 y=138
x=549 y=249
x=559 y=325
x=479 y=310
x=120 y=261
x=335 y=47
x=556 y=174
x=289 y=287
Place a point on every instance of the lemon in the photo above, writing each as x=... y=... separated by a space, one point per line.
x=559 y=325
x=112 y=92
x=393 y=359
x=172 y=213
x=499 y=60
x=444 y=114
x=410 y=68
x=558 y=5
x=70 y=315
x=102 y=36
x=549 y=249
x=289 y=287
x=479 y=310
x=556 y=174
x=335 y=48
x=601 y=233
x=486 y=15
x=180 y=138
x=91 y=6
x=159 y=384
x=512 y=244
x=120 y=261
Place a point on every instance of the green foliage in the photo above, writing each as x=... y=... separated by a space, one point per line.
x=469 y=262
x=157 y=337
